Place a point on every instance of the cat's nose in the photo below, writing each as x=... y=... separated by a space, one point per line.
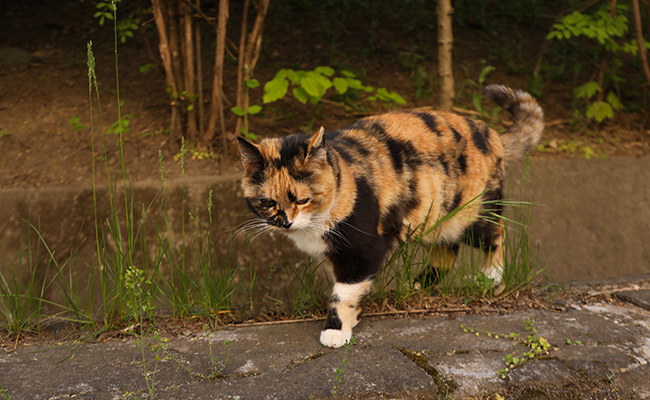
x=280 y=220
x=286 y=224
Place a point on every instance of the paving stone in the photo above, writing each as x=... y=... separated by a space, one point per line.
x=640 y=298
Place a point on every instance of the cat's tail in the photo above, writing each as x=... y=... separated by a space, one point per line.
x=528 y=124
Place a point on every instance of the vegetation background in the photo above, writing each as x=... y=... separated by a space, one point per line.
x=570 y=54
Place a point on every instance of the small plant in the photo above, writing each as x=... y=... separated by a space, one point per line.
x=198 y=154
x=217 y=371
x=424 y=83
x=3 y=393
x=76 y=124
x=125 y=27
x=145 y=69
x=338 y=372
x=608 y=29
x=476 y=93
x=598 y=110
x=538 y=346
x=121 y=126
x=4 y=133
x=313 y=85
x=247 y=110
x=580 y=147
x=573 y=342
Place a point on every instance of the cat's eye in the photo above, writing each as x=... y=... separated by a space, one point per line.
x=303 y=201
x=267 y=203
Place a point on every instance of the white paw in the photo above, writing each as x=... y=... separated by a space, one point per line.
x=334 y=337
x=495 y=273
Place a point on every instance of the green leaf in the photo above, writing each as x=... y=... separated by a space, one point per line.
x=613 y=100
x=294 y=76
x=354 y=83
x=348 y=74
x=341 y=85
x=281 y=74
x=238 y=111
x=275 y=89
x=476 y=99
x=484 y=73
x=600 y=111
x=301 y=94
x=587 y=90
x=254 y=109
x=312 y=85
x=397 y=98
x=327 y=71
x=253 y=83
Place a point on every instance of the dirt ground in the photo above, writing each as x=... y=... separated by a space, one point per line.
x=44 y=86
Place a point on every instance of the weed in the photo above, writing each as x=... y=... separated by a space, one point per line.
x=475 y=92
x=121 y=126
x=338 y=372
x=217 y=371
x=424 y=83
x=580 y=147
x=4 y=133
x=146 y=68
x=4 y=394
x=78 y=126
x=537 y=346
x=247 y=110
x=573 y=342
x=198 y=154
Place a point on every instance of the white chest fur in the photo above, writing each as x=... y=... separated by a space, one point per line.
x=311 y=243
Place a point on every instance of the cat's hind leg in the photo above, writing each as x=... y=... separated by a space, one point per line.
x=488 y=236
x=344 y=312
x=441 y=260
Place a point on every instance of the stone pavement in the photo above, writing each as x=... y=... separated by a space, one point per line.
x=411 y=357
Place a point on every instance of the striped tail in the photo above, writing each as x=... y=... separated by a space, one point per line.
x=526 y=131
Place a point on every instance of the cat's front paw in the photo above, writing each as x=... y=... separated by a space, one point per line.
x=335 y=337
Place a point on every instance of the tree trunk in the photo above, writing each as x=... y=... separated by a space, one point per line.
x=445 y=42
x=217 y=85
x=199 y=72
x=639 y=38
x=190 y=75
x=240 y=64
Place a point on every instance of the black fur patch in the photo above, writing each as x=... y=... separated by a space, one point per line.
x=356 y=264
x=479 y=136
x=430 y=121
x=401 y=152
x=456 y=202
x=280 y=220
x=462 y=163
x=457 y=136
x=333 y=321
x=333 y=161
x=294 y=147
x=291 y=196
x=482 y=233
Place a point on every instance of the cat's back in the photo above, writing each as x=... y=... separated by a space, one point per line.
x=416 y=140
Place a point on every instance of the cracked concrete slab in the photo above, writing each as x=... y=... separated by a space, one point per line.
x=286 y=361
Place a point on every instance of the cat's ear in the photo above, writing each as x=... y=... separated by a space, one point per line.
x=251 y=156
x=315 y=149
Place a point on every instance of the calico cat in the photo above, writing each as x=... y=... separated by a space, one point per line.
x=347 y=196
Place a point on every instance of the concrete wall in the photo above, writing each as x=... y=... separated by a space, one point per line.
x=591 y=219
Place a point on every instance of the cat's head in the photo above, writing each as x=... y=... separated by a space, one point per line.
x=288 y=181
